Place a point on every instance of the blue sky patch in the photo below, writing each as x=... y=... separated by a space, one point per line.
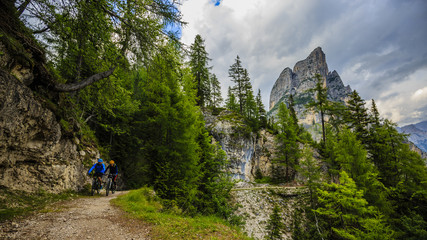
x=216 y=2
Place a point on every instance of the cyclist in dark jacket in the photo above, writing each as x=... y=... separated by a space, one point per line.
x=114 y=170
x=99 y=168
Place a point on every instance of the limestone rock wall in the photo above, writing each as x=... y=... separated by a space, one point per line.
x=34 y=153
x=301 y=79
x=245 y=151
x=256 y=203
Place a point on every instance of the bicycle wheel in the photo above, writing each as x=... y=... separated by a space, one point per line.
x=92 y=192
x=107 y=189
x=113 y=188
x=98 y=186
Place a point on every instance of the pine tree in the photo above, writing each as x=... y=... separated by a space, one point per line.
x=375 y=115
x=261 y=113
x=231 y=102
x=357 y=116
x=216 y=96
x=250 y=107
x=292 y=108
x=275 y=225
x=321 y=103
x=288 y=151
x=240 y=77
x=199 y=67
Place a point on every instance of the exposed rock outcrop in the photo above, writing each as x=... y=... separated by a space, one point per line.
x=256 y=203
x=34 y=154
x=301 y=79
x=245 y=150
x=417 y=134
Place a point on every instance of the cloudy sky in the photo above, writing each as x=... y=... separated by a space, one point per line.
x=378 y=47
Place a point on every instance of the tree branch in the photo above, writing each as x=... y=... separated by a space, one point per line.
x=40 y=30
x=22 y=7
x=60 y=87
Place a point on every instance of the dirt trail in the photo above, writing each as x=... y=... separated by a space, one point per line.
x=83 y=218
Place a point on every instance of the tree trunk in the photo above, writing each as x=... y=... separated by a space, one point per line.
x=59 y=87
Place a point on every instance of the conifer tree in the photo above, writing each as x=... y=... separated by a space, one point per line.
x=321 y=103
x=310 y=170
x=292 y=108
x=231 y=102
x=261 y=113
x=375 y=115
x=275 y=225
x=240 y=77
x=216 y=97
x=288 y=151
x=250 y=107
x=357 y=116
x=169 y=127
x=348 y=213
x=199 y=67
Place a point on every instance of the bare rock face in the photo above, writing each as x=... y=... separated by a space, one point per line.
x=256 y=202
x=301 y=79
x=245 y=151
x=34 y=154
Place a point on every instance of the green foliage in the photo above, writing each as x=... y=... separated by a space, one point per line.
x=170 y=223
x=348 y=214
x=200 y=70
x=288 y=151
x=310 y=170
x=18 y=203
x=275 y=225
x=319 y=104
x=259 y=178
x=231 y=102
x=215 y=93
x=356 y=116
x=413 y=227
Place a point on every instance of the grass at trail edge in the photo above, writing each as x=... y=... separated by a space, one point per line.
x=18 y=203
x=172 y=224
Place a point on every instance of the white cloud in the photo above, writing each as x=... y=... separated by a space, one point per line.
x=373 y=45
x=420 y=95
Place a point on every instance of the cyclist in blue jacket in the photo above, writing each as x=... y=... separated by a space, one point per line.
x=99 y=169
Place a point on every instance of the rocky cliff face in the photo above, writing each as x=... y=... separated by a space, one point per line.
x=245 y=150
x=34 y=154
x=256 y=203
x=417 y=135
x=301 y=79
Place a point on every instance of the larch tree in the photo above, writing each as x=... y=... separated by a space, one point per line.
x=89 y=40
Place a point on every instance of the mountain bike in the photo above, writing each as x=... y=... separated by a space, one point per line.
x=111 y=186
x=96 y=185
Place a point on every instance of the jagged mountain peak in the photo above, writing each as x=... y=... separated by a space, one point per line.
x=314 y=63
x=301 y=79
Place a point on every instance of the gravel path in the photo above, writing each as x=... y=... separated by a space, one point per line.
x=83 y=218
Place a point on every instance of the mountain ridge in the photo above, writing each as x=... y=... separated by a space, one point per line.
x=417 y=134
x=301 y=79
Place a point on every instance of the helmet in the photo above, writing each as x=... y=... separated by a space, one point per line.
x=111 y=162
x=100 y=160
